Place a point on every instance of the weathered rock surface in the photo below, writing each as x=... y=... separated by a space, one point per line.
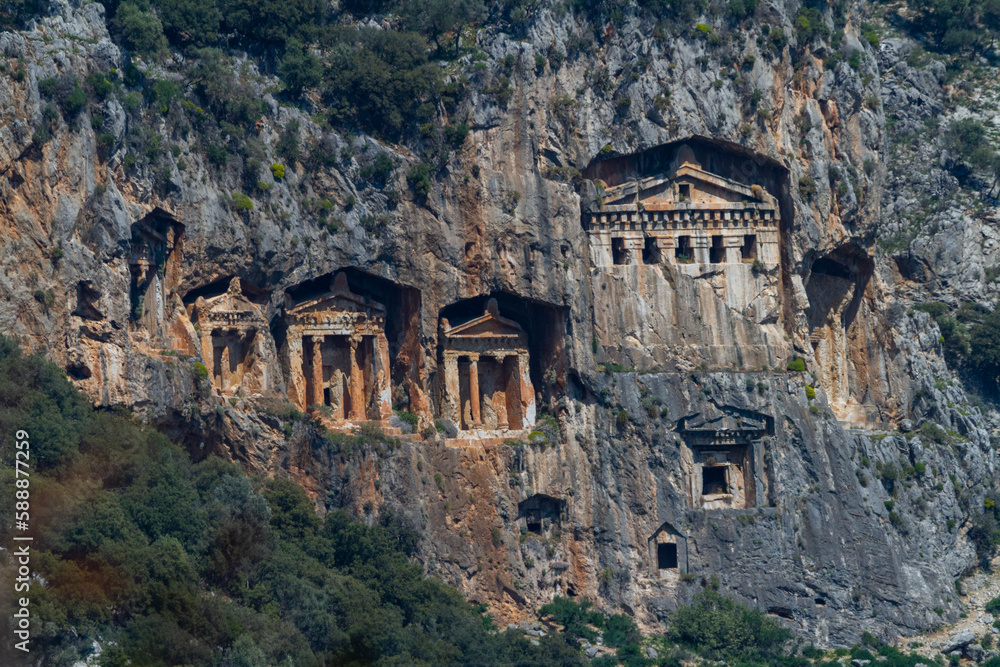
x=833 y=544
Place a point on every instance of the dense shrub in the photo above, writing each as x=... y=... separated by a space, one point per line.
x=190 y=21
x=720 y=628
x=272 y=20
x=140 y=30
x=299 y=68
x=381 y=80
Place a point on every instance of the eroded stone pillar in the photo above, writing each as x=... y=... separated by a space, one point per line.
x=357 y=382
x=527 y=391
x=499 y=398
x=296 y=376
x=452 y=391
x=224 y=367
x=208 y=354
x=380 y=363
x=477 y=419
x=317 y=370
x=337 y=394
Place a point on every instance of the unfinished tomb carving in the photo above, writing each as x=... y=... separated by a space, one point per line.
x=724 y=458
x=487 y=381
x=338 y=355
x=154 y=253
x=236 y=344
x=684 y=215
x=541 y=513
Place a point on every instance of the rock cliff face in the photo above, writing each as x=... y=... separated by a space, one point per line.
x=670 y=446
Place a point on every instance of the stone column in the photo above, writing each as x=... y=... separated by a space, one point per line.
x=208 y=354
x=357 y=382
x=526 y=389
x=499 y=399
x=380 y=366
x=317 y=370
x=452 y=391
x=337 y=394
x=296 y=377
x=224 y=368
x=477 y=420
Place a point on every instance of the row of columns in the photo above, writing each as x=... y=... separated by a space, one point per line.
x=208 y=354
x=298 y=388
x=452 y=380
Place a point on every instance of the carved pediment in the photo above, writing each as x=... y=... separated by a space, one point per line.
x=728 y=418
x=688 y=184
x=232 y=305
x=489 y=325
x=338 y=299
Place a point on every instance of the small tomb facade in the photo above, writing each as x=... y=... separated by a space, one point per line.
x=541 y=513
x=725 y=469
x=487 y=379
x=235 y=341
x=667 y=553
x=338 y=355
x=685 y=216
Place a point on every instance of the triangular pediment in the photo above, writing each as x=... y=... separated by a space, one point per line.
x=233 y=300
x=663 y=189
x=488 y=325
x=727 y=419
x=339 y=299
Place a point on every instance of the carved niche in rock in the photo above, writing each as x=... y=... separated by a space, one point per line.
x=487 y=381
x=724 y=451
x=541 y=513
x=235 y=341
x=153 y=258
x=685 y=215
x=338 y=355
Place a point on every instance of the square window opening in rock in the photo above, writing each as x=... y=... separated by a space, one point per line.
x=651 y=251
x=684 y=190
x=618 y=252
x=749 y=248
x=683 y=252
x=713 y=480
x=717 y=253
x=666 y=556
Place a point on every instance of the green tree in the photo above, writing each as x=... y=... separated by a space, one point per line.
x=140 y=30
x=299 y=68
x=984 y=344
x=381 y=80
x=272 y=20
x=190 y=21
x=434 y=18
x=720 y=628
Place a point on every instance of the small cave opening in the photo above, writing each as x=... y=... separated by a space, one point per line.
x=820 y=602
x=402 y=320
x=837 y=282
x=713 y=480
x=544 y=323
x=781 y=612
x=666 y=556
x=87 y=298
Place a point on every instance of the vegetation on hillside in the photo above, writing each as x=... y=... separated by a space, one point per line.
x=168 y=562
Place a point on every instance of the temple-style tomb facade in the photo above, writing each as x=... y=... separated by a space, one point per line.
x=487 y=381
x=687 y=216
x=338 y=355
x=235 y=342
x=724 y=458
